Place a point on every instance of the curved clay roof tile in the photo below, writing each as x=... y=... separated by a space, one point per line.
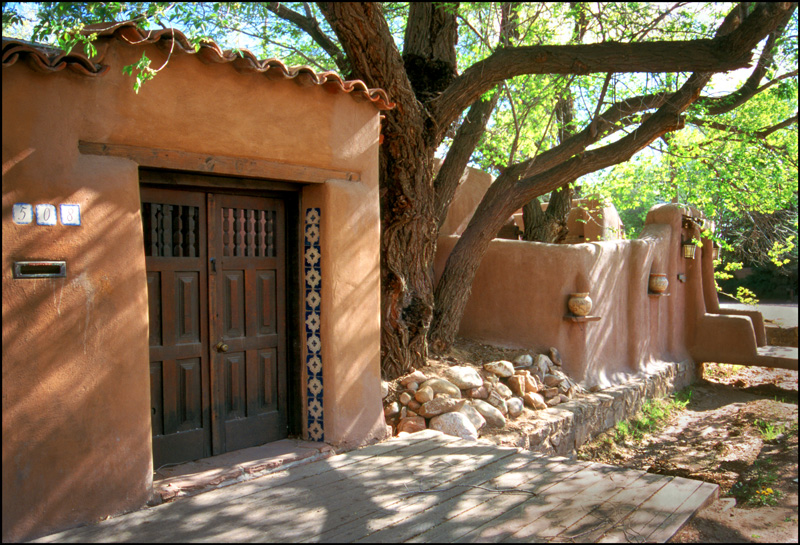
x=170 y=39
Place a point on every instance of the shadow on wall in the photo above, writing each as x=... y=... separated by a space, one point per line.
x=75 y=374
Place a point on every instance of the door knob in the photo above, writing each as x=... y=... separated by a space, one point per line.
x=221 y=347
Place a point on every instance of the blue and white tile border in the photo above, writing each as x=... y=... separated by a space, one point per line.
x=313 y=284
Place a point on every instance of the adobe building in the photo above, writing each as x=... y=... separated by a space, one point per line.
x=187 y=271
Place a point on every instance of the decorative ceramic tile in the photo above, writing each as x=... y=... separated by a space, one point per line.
x=46 y=214
x=313 y=319
x=22 y=213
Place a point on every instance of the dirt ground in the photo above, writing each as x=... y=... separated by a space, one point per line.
x=717 y=439
x=739 y=430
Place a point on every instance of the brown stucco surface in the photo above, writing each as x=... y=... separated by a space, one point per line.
x=76 y=407
x=519 y=299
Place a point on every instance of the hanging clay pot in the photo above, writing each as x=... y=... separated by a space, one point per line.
x=658 y=283
x=579 y=304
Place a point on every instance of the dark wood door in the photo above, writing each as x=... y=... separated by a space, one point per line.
x=248 y=326
x=216 y=294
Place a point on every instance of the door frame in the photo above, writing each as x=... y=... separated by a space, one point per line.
x=290 y=194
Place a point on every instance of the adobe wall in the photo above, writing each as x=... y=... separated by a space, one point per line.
x=76 y=392
x=519 y=299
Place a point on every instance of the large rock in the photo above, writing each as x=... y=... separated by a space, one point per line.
x=440 y=405
x=516 y=384
x=525 y=360
x=474 y=416
x=552 y=380
x=456 y=424
x=515 y=406
x=504 y=391
x=549 y=392
x=424 y=394
x=501 y=368
x=417 y=376
x=542 y=365
x=555 y=356
x=442 y=386
x=384 y=389
x=553 y=401
x=392 y=409
x=478 y=393
x=494 y=418
x=464 y=377
x=532 y=384
x=405 y=397
x=497 y=401
x=534 y=401
x=411 y=424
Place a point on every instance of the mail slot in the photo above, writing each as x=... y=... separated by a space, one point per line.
x=40 y=269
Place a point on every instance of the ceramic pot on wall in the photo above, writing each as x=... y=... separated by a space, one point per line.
x=658 y=283
x=580 y=304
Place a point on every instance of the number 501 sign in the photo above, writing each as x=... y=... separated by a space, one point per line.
x=45 y=214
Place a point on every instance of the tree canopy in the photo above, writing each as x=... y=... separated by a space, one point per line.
x=540 y=94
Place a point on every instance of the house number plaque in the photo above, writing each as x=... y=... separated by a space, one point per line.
x=45 y=214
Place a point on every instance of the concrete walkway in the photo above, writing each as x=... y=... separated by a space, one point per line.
x=780 y=314
x=422 y=487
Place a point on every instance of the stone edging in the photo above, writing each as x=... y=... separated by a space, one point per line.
x=560 y=430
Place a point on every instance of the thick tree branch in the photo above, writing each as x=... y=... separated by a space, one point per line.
x=728 y=52
x=727 y=103
x=464 y=142
x=763 y=133
x=310 y=25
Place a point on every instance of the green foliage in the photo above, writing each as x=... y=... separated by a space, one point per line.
x=754 y=488
x=652 y=416
x=768 y=430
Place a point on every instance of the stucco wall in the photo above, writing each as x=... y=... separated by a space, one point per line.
x=519 y=298
x=520 y=292
x=76 y=408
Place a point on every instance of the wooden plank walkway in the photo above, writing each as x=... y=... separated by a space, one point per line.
x=421 y=488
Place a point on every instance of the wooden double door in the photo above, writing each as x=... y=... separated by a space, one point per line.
x=216 y=278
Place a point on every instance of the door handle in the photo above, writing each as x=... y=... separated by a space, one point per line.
x=221 y=347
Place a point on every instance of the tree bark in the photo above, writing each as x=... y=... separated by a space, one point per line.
x=429 y=52
x=547 y=225
x=464 y=142
x=551 y=225
x=408 y=238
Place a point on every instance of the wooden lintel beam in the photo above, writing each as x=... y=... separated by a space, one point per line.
x=217 y=164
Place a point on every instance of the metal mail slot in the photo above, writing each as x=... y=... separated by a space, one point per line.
x=40 y=269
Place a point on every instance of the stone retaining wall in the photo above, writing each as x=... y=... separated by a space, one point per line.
x=561 y=429
x=781 y=336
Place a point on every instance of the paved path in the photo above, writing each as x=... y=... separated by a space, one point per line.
x=422 y=487
x=782 y=314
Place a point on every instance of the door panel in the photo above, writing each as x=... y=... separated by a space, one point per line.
x=175 y=256
x=248 y=238
x=216 y=267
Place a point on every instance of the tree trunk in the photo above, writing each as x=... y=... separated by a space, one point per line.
x=547 y=225
x=455 y=285
x=408 y=243
x=551 y=225
x=408 y=223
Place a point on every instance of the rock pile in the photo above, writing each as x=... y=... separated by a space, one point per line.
x=466 y=399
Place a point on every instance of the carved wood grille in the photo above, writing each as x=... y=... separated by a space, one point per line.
x=170 y=230
x=248 y=233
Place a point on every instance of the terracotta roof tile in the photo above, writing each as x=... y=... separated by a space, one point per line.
x=47 y=59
